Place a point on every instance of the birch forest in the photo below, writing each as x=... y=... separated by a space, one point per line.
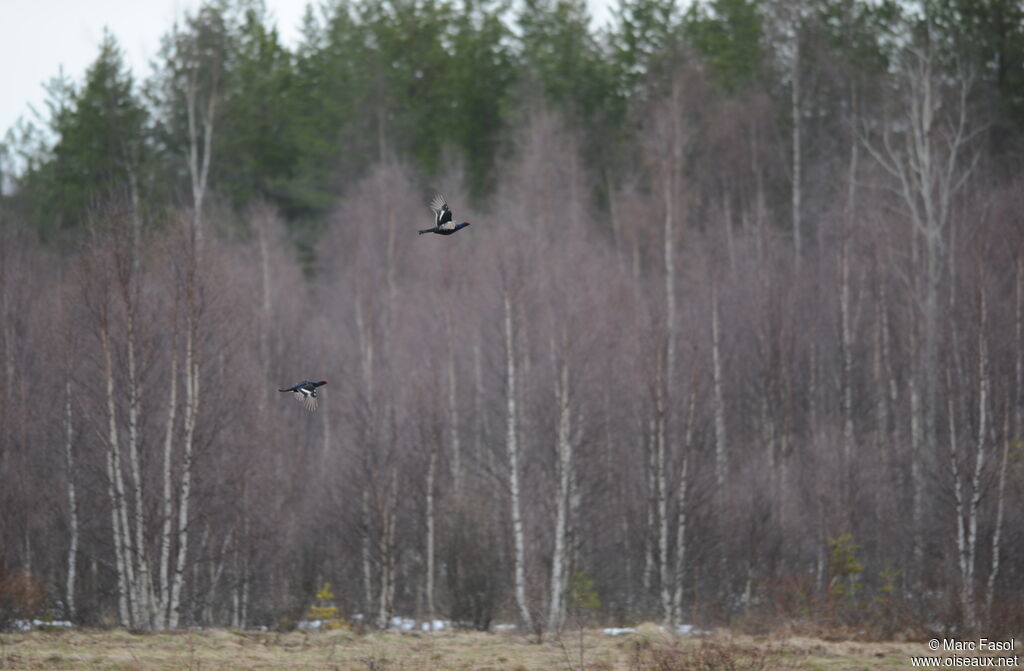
x=736 y=336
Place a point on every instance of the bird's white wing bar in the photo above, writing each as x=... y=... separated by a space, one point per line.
x=306 y=399
x=439 y=203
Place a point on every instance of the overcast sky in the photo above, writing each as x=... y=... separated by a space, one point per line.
x=38 y=37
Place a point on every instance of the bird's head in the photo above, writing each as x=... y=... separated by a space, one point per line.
x=323 y=382
x=466 y=223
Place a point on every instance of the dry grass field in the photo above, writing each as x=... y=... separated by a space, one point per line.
x=646 y=650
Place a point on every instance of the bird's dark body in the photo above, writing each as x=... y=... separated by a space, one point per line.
x=444 y=224
x=305 y=392
x=442 y=231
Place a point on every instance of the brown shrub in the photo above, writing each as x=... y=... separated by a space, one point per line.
x=21 y=595
x=710 y=656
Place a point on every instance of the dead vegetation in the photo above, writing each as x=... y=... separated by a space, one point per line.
x=646 y=650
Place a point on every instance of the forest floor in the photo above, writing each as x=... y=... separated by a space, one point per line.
x=645 y=650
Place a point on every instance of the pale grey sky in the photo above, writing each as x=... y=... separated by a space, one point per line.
x=38 y=37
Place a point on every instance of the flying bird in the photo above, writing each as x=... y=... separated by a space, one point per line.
x=305 y=392
x=444 y=224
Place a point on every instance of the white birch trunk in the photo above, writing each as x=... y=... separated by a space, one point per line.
x=958 y=498
x=681 y=499
x=556 y=605
x=142 y=611
x=367 y=568
x=453 y=416
x=971 y=615
x=916 y=471
x=431 y=467
x=192 y=386
x=721 y=454
x=660 y=489
x=929 y=169
x=114 y=481
x=997 y=531
x=647 y=577
x=513 y=465
x=386 y=545
x=168 y=496
x=199 y=158
x=69 y=466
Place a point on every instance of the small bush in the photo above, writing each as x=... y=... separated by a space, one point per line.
x=21 y=596
x=709 y=656
x=325 y=612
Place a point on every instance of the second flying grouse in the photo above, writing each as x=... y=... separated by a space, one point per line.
x=444 y=224
x=305 y=392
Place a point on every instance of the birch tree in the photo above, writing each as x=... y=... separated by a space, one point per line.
x=197 y=59
x=512 y=450
x=564 y=471
x=930 y=158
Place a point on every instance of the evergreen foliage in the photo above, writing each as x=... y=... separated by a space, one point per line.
x=440 y=83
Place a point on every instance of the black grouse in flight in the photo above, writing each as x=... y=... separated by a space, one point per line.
x=444 y=224
x=305 y=392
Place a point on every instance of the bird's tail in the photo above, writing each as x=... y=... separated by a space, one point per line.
x=284 y=389
x=426 y=230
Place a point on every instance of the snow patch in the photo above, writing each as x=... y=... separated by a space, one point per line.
x=618 y=631
x=681 y=630
x=28 y=625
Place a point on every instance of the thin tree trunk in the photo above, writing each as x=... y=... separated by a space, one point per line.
x=681 y=502
x=1019 y=353
x=366 y=349
x=797 y=164
x=670 y=277
x=386 y=545
x=883 y=381
x=142 y=611
x=997 y=531
x=114 y=480
x=660 y=489
x=192 y=386
x=367 y=570
x=958 y=497
x=721 y=454
x=916 y=477
x=266 y=314
x=846 y=340
x=69 y=466
x=513 y=465
x=556 y=605
x=652 y=507
x=431 y=467
x=199 y=159
x=453 y=415
x=979 y=460
x=168 y=497
x=614 y=219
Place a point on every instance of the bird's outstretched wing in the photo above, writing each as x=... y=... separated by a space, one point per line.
x=309 y=402
x=442 y=213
